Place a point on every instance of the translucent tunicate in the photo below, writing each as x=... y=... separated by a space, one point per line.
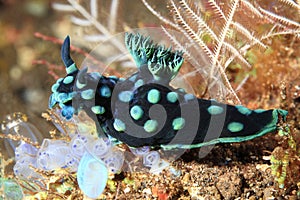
x=52 y=154
x=17 y=126
x=159 y=166
x=72 y=162
x=99 y=147
x=25 y=149
x=23 y=170
x=92 y=175
x=79 y=144
x=151 y=159
x=114 y=161
x=141 y=151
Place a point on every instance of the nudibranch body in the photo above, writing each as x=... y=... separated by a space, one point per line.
x=144 y=110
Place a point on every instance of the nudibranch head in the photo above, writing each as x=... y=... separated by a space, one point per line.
x=80 y=89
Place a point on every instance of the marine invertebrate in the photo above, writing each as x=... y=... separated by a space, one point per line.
x=226 y=31
x=121 y=108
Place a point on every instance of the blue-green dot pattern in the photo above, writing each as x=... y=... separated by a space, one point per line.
x=235 y=127
x=188 y=97
x=172 y=97
x=136 y=112
x=105 y=91
x=150 y=126
x=243 y=110
x=178 y=123
x=153 y=96
x=119 y=125
x=87 y=94
x=125 y=96
x=98 y=110
x=68 y=80
x=215 y=110
x=259 y=110
x=139 y=83
x=80 y=85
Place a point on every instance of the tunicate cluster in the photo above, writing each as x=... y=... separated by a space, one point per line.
x=55 y=154
x=150 y=159
x=92 y=158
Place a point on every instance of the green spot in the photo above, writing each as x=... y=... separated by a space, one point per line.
x=150 y=126
x=139 y=83
x=68 y=80
x=125 y=96
x=80 y=85
x=54 y=87
x=215 y=110
x=188 y=97
x=136 y=112
x=178 y=123
x=172 y=97
x=132 y=78
x=153 y=96
x=114 y=77
x=61 y=97
x=235 y=127
x=72 y=68
x=105 y=91
x=243 y=110
x=98 y=109
x=259 y=110
x=119 y=125
x=181 y=90
x=87 y=94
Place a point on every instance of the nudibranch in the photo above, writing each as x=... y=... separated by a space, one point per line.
x=145 y=110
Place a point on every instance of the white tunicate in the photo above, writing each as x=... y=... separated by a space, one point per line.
x=79 y=144
x=25 y=149
x=72 y=162
x=52 y=154
x=151 y=159
x=92 y=176
x=141 y=151
x=159 y=167
x=23 y=170
x=99 y=148
x=114 y=161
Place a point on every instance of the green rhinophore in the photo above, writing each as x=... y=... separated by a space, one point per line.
x=136 y=112
x=153 y=96
x=235 y=127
